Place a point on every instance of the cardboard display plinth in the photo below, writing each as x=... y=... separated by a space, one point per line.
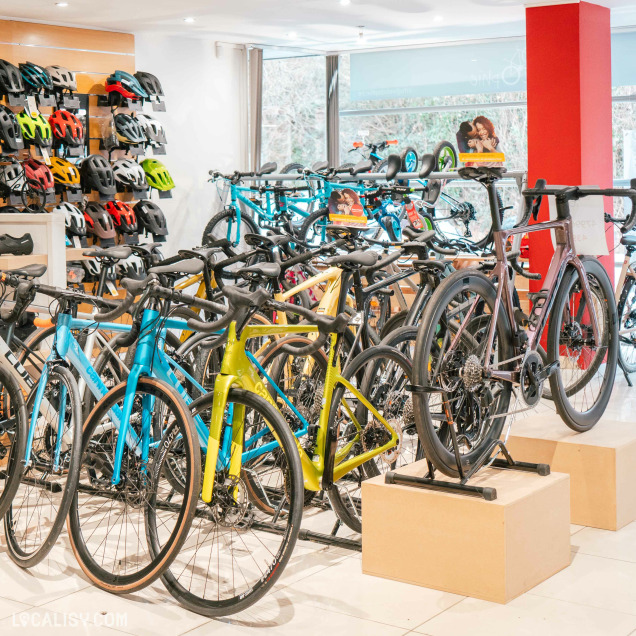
x=492 y=550
x=601 y=463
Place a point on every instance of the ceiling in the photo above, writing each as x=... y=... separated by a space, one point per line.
x=321 y=25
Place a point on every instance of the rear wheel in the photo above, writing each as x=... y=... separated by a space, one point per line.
x=627 y=325
x=225 y=225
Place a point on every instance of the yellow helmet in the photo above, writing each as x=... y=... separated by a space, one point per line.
x=64 y=172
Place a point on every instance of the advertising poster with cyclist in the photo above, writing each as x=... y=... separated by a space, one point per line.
x=479 y=143
x=346 y=209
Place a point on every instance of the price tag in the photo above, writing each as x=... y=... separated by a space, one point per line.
x=45 y=155
x=32 y=106
x=111 y=287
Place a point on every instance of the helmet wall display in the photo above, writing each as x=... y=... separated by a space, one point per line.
x=157 y=175
x=35 y=130
x=149 y=83
x=150 y=218
x=65 y=173
x=74 y=219
x=62 y=78
x=67 y=128
x=124 y=218
x=126 y=85
x=128 y=130
x=97 y=174
x=12 y=175
x=39 y=174
x=10 y=79
x=10 y=133
x=35 y=78
x=153 y=130
x=129 y=174
x=98 y=222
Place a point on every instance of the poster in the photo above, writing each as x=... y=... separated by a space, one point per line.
x=346 y=209
x=479 y=143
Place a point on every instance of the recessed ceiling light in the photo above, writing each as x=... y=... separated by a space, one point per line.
x=292 y=35
x=188 y=20
x=61 y=4
x=438 y=18
x=345 y=3
x=361 y=36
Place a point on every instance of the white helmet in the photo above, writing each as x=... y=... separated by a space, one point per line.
x=12 y=175
x=129 y=174
x=62 y=77
x=74 y=219
x=153 y=130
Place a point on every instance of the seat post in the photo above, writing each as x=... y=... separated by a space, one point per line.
x=495 y=213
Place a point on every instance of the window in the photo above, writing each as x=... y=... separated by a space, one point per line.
x=294 y=128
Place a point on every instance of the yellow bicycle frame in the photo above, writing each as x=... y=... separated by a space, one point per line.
x=238 y=371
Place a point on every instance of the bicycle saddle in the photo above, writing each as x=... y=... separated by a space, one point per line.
x=481 y=173
x=29 y=271
x=202 y=253
x=268 y=168
x=319 y=166
x=362 y=166
x=628 y=241
x=268 y=270
x=270 y=240
x=356 y=259
x=147 y=249
x=116 y=253
x=190 y=267
x=427 y=165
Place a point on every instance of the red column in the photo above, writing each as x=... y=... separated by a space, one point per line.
x=569 y=107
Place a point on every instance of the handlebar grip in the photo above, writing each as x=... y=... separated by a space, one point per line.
x=631 y=220
x=212 y=327
x=522 y=272
x=444 y=251
x=120 y=310
x=307 y=349
x=23 y=294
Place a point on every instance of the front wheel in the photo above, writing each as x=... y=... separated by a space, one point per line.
x=226 y=225
x=582 y=384
x=627 y=325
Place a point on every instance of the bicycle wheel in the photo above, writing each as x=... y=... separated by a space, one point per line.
x=235 y=552
x=109 y=524
x=13 y=434
x=403 y=339
x=381 y=374
x=33 y=197
x=225 y=226
x=627 y=323
x=37 y=513
x=582 y=385
x=409 y=159
x=451 y=368
x=394 y=322
x=313 y=230
x=445 y=157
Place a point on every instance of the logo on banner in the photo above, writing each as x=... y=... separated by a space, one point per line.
x=479 y=143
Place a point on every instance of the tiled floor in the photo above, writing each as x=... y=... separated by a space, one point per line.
x=323 y=591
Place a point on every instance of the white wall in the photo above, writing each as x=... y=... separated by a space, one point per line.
x=205 y=122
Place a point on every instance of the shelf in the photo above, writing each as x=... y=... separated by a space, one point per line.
x=77 y=254
x=8 y=261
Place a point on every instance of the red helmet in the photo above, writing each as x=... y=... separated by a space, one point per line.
x=123 y=215
x=39 y=174
x=67 y=127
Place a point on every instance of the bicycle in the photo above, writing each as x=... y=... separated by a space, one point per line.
x=473 y=345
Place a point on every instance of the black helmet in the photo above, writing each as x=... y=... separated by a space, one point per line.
x=35 y=77
x=10 y=134
x=128 y=130
x=10 y=79
x=98 y=221
x=149 y=83
x=150 y=218
x=97 y=174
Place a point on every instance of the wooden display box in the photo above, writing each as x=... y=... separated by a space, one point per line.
x=492 y=550
x=601 y=464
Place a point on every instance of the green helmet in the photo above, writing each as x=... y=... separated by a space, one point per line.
x=35 y=129
x=157 y=174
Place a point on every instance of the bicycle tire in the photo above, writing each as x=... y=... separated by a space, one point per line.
x=287 y=169
x=215 y=607
x=627 y=343
x=32 y=190
x=96 y=468
x=436 y=440
x=446 y=158
x=307 y=232
x=410 y=159
x=217 y=226
x=394 y=322
x=564 y=393
x=29 y=544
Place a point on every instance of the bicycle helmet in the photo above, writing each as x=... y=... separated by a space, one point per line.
x=35 y=77
x=35 y=129
x=155 y=134
x=12 y=175
x=67 y=127
x=129 y=174
x=74 y=219
x=149 y=83
x=123 y=215
x=10 y=79
x=39 y=174
x=62 y=78
x=126 y=85
x=128 y=130
x=157 y=174
x=98 y=221
x=64 y=172
x=10 y=134
x=98 y=175
x=150 y=218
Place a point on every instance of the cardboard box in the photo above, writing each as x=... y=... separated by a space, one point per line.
x=492 y=550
